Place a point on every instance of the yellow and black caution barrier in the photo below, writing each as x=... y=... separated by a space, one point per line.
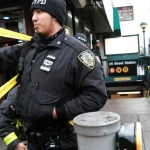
x=130 y=136
x=8 y=86
x=14 y=35
x=138 y=136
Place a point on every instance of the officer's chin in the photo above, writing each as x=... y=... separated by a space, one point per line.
x=40 y=34
x=37 y=32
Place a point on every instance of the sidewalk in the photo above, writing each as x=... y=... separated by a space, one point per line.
x=130 y=110
x=133 y=110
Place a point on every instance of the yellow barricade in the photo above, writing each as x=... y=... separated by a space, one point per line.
x=138 y=136
x=8 y=86
x=14 y=35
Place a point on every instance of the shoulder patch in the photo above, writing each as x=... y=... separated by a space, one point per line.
x=87 y=58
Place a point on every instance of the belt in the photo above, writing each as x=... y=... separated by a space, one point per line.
x=48 y=139
x=55 y=138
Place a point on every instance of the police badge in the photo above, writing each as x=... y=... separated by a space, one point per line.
x=87 y=58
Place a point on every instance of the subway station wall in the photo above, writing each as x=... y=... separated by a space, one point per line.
x=141 y=13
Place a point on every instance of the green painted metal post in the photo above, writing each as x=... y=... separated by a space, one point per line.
x=143 y=25
x=144 y=42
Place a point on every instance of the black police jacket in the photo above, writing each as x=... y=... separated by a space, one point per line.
x=97 y=53
x=62 y=74
x=8 y=120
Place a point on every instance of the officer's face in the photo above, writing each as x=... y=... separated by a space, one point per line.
x=43 y=22
x=97 y=45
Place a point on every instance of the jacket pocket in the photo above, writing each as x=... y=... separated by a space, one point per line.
x=40 y=105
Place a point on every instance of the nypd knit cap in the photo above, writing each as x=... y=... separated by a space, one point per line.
x=95 y=41
x=56 y=8
x=82 y=37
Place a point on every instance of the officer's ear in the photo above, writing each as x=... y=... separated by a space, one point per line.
x=57 y=21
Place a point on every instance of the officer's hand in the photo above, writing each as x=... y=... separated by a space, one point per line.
x=21 y=146
x=54 y=114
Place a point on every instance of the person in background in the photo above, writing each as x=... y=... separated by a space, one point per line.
x=6 y=44
x=96 y=50
x=81 y=37
x=59 y=79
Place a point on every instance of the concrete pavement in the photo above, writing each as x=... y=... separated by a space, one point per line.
x=133 y=110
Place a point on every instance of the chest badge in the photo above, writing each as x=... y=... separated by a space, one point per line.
x=48 y=63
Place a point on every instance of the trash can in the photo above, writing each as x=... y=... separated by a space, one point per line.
x=97 y=130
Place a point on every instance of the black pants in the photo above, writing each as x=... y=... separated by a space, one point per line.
x=67 y=138
x=34 y=147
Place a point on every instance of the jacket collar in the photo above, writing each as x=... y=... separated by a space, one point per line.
x=57 y=43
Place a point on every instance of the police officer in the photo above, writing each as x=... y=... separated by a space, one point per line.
x=81 y=37
x=59 y=79
x=96 y=50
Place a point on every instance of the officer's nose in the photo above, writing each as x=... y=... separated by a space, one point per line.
x=34 y=16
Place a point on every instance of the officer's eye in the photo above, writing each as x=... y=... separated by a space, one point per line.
x=39 y=11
